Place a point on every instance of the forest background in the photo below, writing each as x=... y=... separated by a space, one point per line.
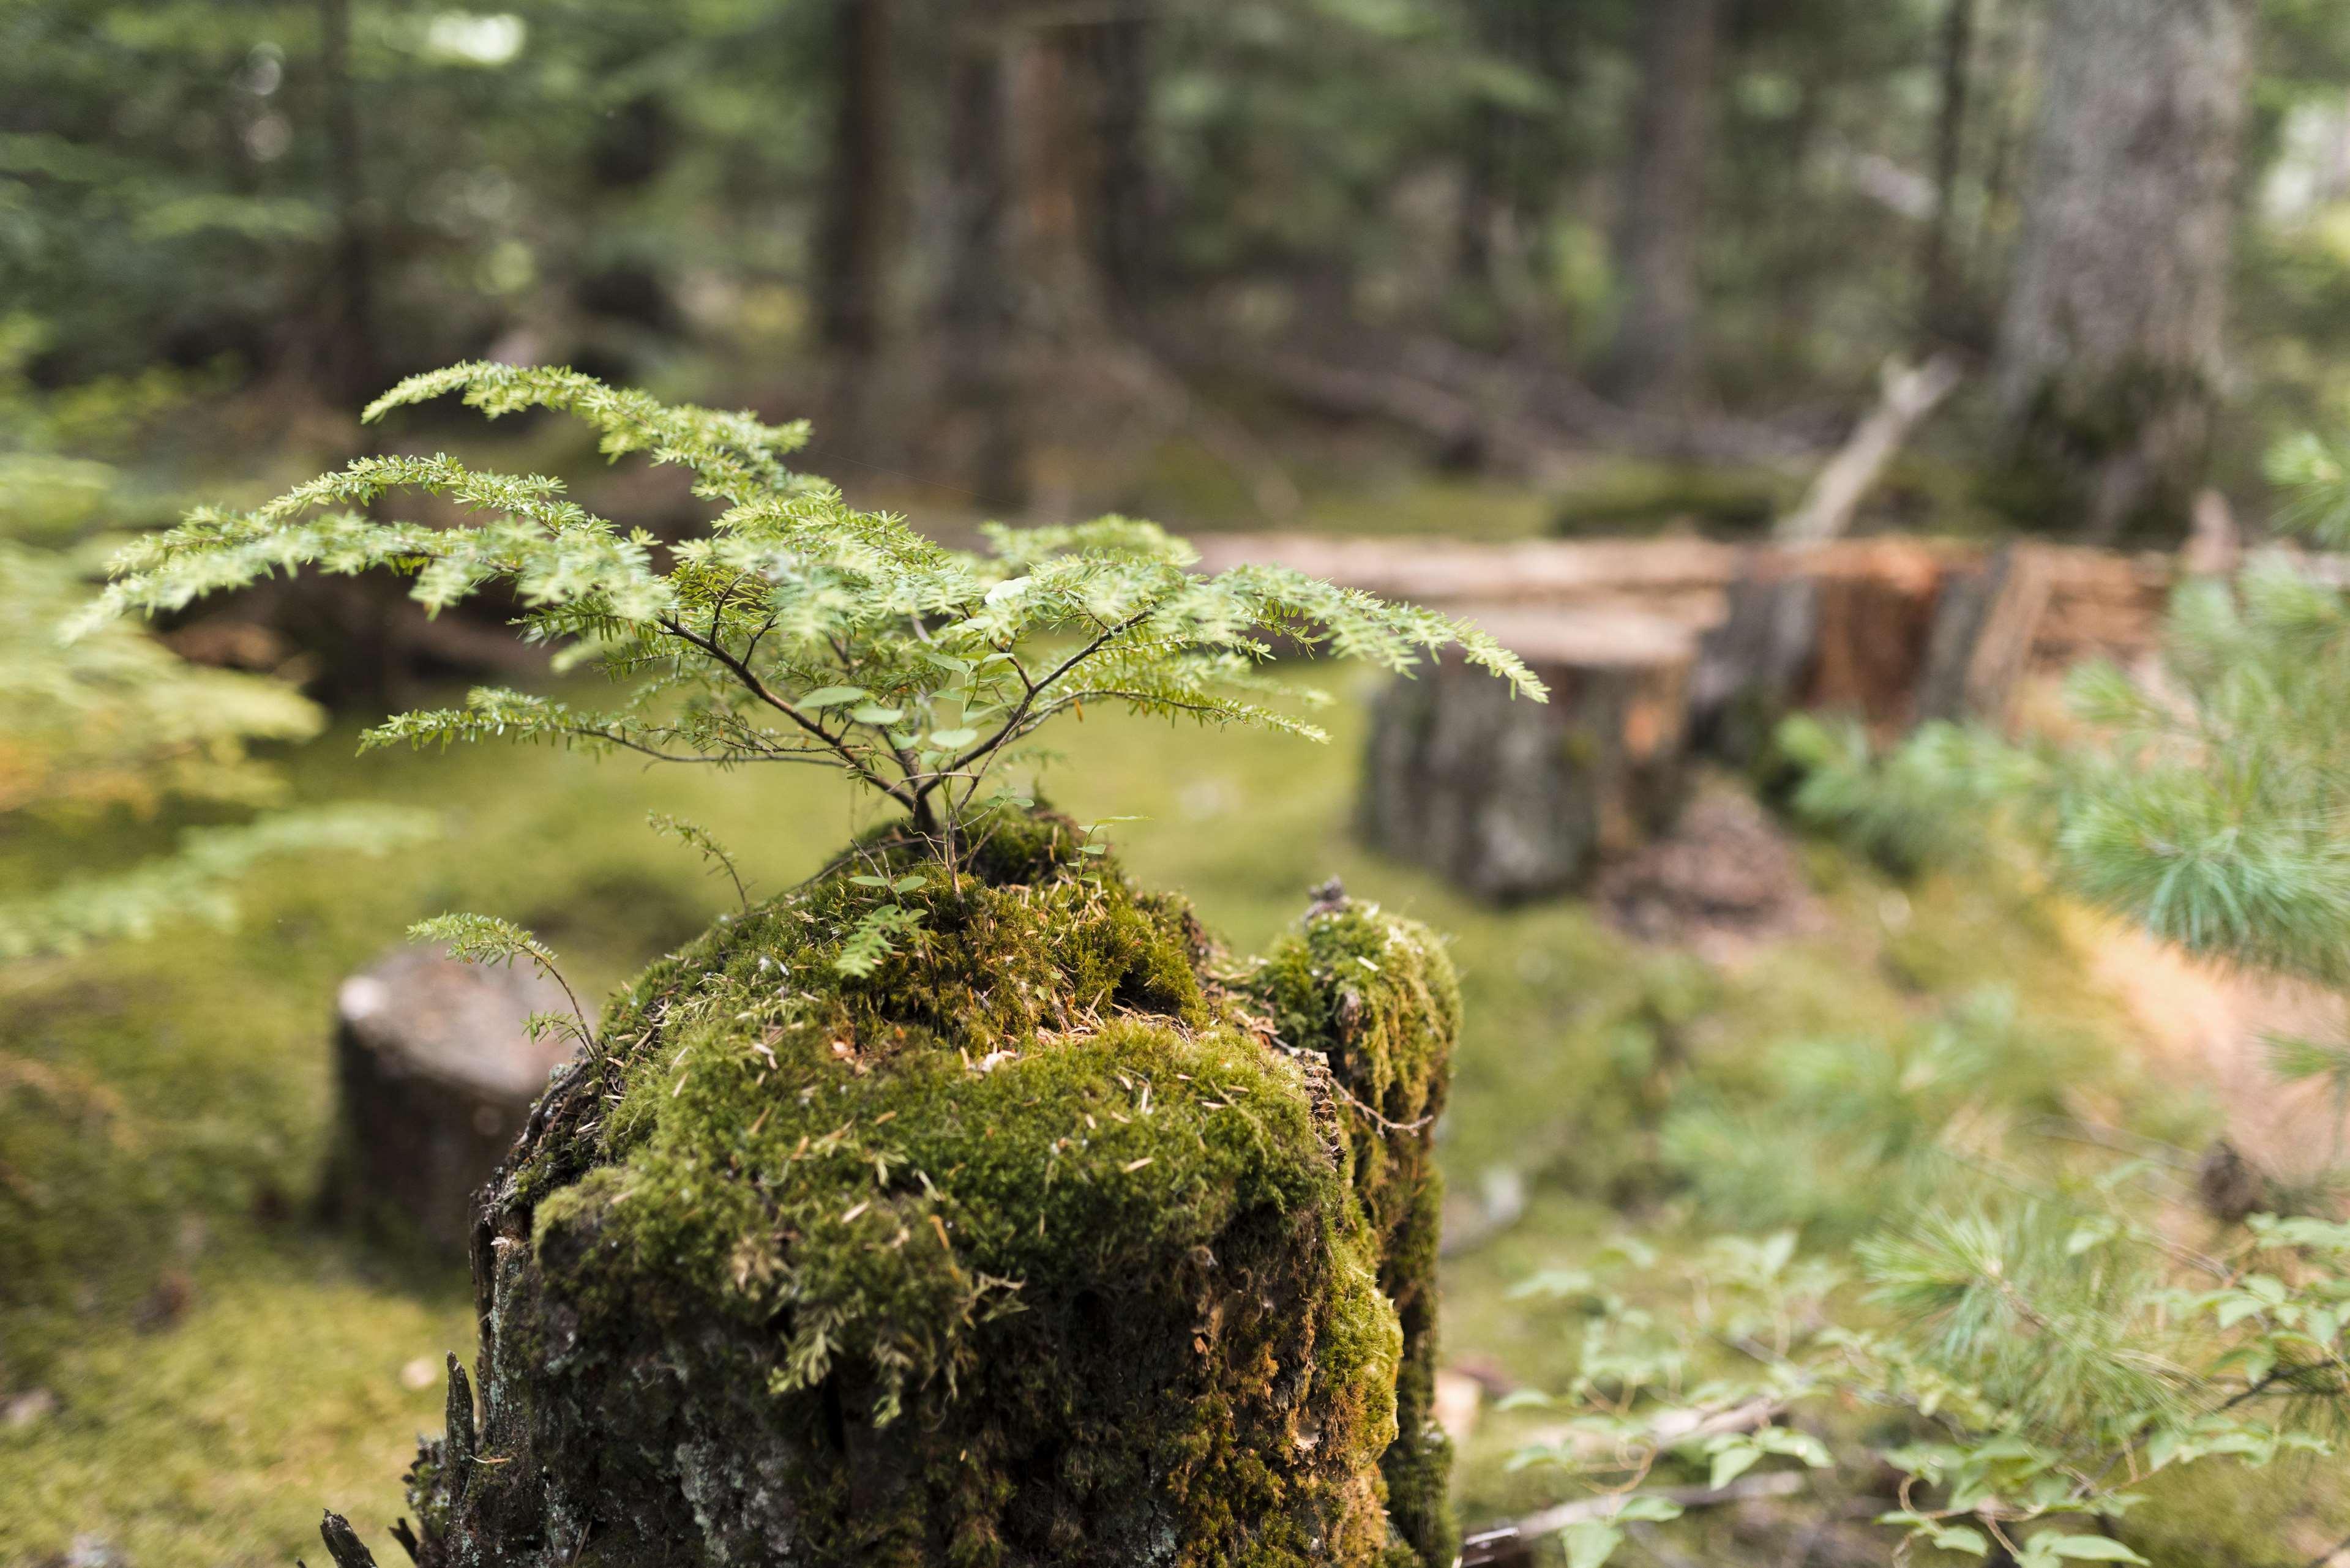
x=1483 y=269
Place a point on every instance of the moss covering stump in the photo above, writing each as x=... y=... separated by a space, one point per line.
x=1056 y=1238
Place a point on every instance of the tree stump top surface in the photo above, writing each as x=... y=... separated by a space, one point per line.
x=1588 y=638
x=459 y=1023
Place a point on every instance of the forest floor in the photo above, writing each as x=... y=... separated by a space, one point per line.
x=189 y=1368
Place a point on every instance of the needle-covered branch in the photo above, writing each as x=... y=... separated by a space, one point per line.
x=797 y=628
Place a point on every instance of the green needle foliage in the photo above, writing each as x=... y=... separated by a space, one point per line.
x=797 y=630
x=2034 y=1366
x=116 y=721
x=2042 y=1340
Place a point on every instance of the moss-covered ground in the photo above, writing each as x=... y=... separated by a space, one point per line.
x=207 y=1368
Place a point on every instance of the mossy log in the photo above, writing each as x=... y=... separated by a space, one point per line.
x=1512 y=799
x=1057 y=1240
x=435 y=1072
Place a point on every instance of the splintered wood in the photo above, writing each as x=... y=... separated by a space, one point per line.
x=1654 y=650
x=1894 y=628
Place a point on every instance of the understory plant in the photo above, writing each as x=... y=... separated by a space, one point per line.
x=964 y=1204
x=798 y=630
x=113 y=721
x=2037 y=1344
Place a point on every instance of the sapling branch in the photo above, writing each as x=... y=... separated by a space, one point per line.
x=790 y=559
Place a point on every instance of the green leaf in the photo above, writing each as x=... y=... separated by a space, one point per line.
x=1959 y=1538
x=2084 y=1548
x=1554 y=1284
x=1647 y=1508
x=833 y=697
x=1730 y=1462
x=908 y=883
x=873 y=714
x=2237 y=1307
x=870 y=881
x=1795 y=1445
x=1590 y=1543
x=952 y=739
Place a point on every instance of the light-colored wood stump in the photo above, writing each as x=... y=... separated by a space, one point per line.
x=435 y=1073
x=1512 y=799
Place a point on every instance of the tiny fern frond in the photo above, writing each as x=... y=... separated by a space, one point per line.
x=702 y=842
x=487 y=939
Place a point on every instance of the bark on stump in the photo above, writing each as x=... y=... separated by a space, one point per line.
x=1985 y=626
x=436 y=1074
x=1512 y=799
x=1041 y=1245
x=1752 y=666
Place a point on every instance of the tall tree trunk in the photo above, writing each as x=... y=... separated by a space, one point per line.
x=1938 y=272
x=1125 y=196
x=349 y=364
x=977 y=304
x=1056 y=161
x=1656 y=357
x=2110 y=352
x=861 y=212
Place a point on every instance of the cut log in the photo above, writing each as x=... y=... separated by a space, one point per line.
x=1512 y=799
x=1986 y=625
x=1877 y=603
x=436 y=1072
x=1751 y=666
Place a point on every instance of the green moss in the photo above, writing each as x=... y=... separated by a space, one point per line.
x=1035 y=1244
x=1623 y=495
x=1376 y=998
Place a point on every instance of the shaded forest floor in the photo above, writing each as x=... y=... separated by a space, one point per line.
x=190 y=1369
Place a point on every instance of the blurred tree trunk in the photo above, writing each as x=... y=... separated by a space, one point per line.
x=1127 y=193
x=349 y=365
x=1057 y=166
x=2110 y=351
x=860 y=229
x=977 y=304
x=1656 y=359
x=1052 y=196
x=1944 y=306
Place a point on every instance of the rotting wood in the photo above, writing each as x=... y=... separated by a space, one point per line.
x=1985 y=627
x=1513 y=799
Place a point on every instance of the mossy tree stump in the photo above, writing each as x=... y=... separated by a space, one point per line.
x=1059 y=1240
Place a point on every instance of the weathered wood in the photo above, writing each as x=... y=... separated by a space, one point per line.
x=1512 y=799
x=1867 y=625
x=1909 y=394
x=1985 y=627
x=1751 y=666
x=437 y=1073
x=1876 y=620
